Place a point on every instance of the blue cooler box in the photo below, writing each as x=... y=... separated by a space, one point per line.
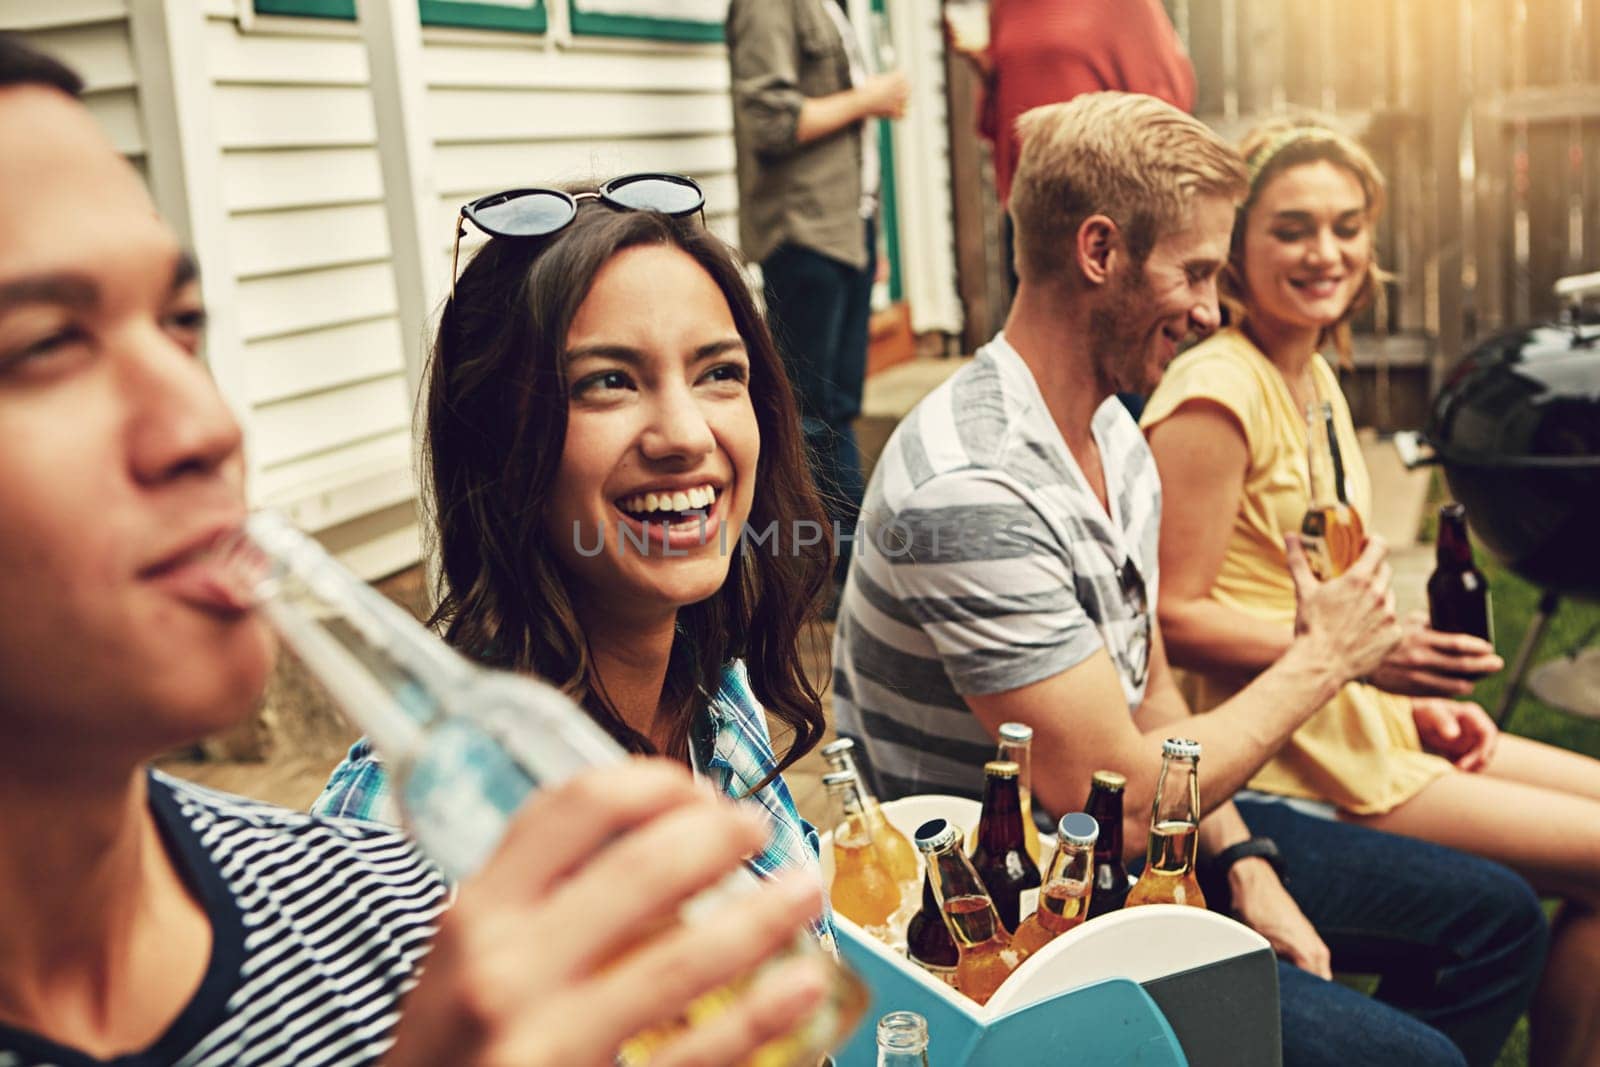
x=1149 y=986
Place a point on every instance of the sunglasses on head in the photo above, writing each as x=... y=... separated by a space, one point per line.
x=542 y=212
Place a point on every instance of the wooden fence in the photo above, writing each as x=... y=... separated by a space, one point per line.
x=1484 y=114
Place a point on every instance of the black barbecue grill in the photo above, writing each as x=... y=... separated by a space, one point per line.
x=1516 y=428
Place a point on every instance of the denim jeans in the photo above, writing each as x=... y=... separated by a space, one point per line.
x=818 y=309
x=1457 y=944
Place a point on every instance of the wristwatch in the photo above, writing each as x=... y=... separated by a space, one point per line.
x=1264 y=847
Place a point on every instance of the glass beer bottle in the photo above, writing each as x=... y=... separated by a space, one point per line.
x=1016 y=745
x=1331 y=530
x=902 y=1040
x=1169 y=874
x=1458 y=593
x=999 y=857
x=1110 y=873
x=928 y=941
x=863 y=888
x=985 y=955
x=1064 y=900
x=466 y=745
x=898 y=851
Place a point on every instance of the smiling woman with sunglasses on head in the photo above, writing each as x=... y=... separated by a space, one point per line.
x=603 y=403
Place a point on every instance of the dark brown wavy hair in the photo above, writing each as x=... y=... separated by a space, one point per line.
x=496 y=418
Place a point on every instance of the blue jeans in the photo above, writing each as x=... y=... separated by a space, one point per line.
x=818 y=309
x=1457 y=944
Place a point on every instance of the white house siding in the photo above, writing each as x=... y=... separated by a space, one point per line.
x=329 y=414
x=92 y=37
x=507 y=111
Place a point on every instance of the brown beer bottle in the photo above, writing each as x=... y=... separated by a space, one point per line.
x=1016 y=745
x=897 y=850
x=1110 y=873
x=1331 y=530
x=863 y=889
x=1000 y=857
x=1169 y=875
x=1064 y=900
x=1458 y=594
x=985 y=955
x=928 y=941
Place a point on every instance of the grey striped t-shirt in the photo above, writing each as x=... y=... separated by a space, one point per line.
x=983 y=562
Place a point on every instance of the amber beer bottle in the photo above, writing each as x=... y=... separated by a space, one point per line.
x=896 y=848
x=1064 y=900
x=1458 y=594
x=863 y=890
x=1110 y=873
x=985 y=955
x=1331 y=530
x=1016 y=745
x=928 y=940
x=1169 y=874
x=999 y=856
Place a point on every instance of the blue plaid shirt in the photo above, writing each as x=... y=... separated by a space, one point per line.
x=729 y=745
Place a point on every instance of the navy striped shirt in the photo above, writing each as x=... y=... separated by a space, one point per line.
x=318 y=927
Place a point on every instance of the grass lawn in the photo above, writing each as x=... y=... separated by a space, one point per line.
x=1575 y=623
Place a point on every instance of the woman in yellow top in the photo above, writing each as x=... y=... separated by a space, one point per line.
x=1228 y=429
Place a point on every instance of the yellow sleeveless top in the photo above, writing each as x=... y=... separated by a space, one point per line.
x=1360 y=751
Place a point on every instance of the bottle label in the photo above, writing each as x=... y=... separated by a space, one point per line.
x=1488 y=611
x=1029 y=903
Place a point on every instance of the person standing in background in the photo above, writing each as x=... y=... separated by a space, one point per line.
x=808 y=198
x=1048 y=51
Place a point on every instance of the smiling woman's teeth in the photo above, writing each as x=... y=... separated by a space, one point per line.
x=669 y=502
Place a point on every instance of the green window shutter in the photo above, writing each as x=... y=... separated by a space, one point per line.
x=641 y=18
x=530 y=18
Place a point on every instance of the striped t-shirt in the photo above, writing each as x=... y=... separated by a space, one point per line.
x=318 y=927
x=983 y=562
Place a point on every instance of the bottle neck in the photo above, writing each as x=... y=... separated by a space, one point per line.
x=1020 y=753
x=1106 y=807
x=1071 y=863
x=851 y=827
x=1177 y=792
x=964 y=902
x=1454 y=548
x=389 y=673
x=1324 y=458
x=1000 y=825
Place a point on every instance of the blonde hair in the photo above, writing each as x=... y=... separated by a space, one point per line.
x=1131 y=157
x=1269 y=150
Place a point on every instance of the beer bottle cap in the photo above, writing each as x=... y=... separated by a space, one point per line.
x=834 y=779
x=835 y=748
x=934 y=835
x=1001 y=768
x=1016 y=731
x=1110 y=780
x=1079 y=828
x=1180 y=748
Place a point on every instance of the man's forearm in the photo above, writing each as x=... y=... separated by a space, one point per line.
x=1238 y=736
x=822 y=115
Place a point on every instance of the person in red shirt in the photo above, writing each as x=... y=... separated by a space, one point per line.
x=1049 y=51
